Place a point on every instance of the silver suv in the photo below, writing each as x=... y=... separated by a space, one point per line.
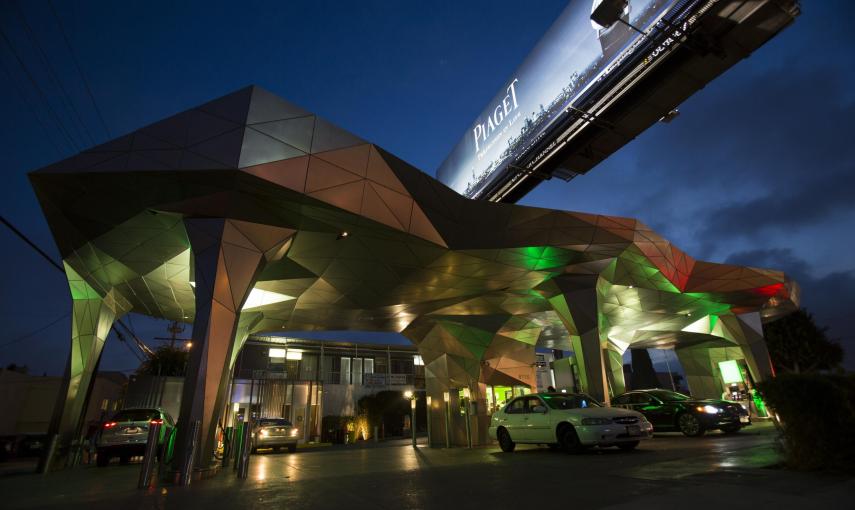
x=126 y=434
x=274 y=433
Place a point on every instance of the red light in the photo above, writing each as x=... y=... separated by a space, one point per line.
x=109 y=424
x=769 y=290
x=157 y=422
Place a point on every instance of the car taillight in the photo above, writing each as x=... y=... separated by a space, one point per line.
x=109 y=424
x=157 y=422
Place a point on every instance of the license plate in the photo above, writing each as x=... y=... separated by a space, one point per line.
x=132 y=430
x=633 y=430
x=743 y=419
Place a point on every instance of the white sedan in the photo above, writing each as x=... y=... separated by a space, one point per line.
x=571 y=421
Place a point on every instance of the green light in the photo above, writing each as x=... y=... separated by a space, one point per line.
x=759 y=404
x=730 y=372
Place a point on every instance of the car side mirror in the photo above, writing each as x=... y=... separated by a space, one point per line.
x=539 y=409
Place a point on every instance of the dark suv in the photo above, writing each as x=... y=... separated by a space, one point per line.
x=126 y=434
x=669 y=410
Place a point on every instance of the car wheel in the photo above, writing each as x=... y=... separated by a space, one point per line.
x=505 y=442
x=731 y=429
x=690 y=425
x=569 y=440
x=102 y=459
x=292 y=448
x=628 y=446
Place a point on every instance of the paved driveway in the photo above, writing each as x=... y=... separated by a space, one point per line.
x=670 y=471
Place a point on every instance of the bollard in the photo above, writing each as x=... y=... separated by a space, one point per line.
x=246 y=448
x=427 y=412
x=186 y=474
x=447 y=424
x=164 y=457
x=413 y=419
x=147 y=468
x=228 y=434
x=468 y=424
x=238 y=448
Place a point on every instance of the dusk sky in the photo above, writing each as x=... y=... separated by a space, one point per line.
x=759 y=168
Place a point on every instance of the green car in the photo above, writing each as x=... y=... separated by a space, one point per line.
x=671 y=411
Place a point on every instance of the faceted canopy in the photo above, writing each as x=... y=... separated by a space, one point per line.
x=378 y=243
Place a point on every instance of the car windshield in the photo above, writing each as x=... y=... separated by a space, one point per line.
x=668 y=396
x=570 y=401
x=274 y=422
x=136 y=415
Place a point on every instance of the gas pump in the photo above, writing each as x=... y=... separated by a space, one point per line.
x=739 y=388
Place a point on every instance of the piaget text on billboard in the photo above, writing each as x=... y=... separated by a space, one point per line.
x=501 y=113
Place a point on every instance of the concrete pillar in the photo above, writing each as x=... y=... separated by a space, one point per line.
x=92 y=317
x=466 y=352
x=227 y=256
x=643 y=374
x=701 y=375
x=614 y=362
x=576 y=302
x=753 y=344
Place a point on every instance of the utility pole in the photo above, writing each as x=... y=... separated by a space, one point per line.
x=174 y=329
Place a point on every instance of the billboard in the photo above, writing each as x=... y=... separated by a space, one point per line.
x=570 y=62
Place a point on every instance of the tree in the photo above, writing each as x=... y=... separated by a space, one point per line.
x=797 y=344
x=169 y=361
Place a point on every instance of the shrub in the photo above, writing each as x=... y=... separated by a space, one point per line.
x=334 y=429
x=385 y=410
x=817 y=418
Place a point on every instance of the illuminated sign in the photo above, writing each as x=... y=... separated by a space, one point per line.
x=730 y=373
x=519 y=128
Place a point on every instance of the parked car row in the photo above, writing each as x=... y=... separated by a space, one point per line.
x=575 y=421
x=125 y=435
x=568 y=421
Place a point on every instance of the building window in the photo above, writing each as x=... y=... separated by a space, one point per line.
x=357 y=370
x=345 y=370
x=353 y=369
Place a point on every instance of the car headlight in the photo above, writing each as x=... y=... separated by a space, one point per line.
x=708 y=409
x=294 y=432
x=596 y=421
x=263 y=433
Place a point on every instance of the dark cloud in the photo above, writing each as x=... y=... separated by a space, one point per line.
x=831 y=298
x=804 y=204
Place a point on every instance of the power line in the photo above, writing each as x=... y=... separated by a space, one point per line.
x=64 y=95
x=79 y=69
x=33 y=109
x=33 y=333
x=38 y=89
x=145 y=349
x=32 y=244
x=124 y=341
